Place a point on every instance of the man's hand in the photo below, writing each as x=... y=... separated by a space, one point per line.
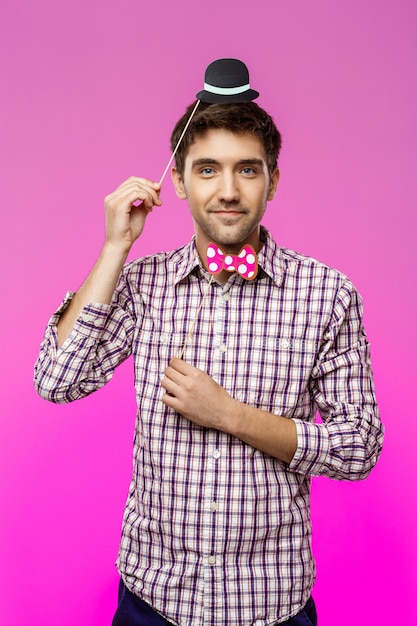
x=127 y=209
x=126 y=212
x=194 y=394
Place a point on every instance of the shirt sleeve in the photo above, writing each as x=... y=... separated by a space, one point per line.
x=100 y=340
x=347 y=444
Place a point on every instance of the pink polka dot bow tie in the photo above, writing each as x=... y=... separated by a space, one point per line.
x=245 y=263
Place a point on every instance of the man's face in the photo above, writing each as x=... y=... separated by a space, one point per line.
x=227 y=185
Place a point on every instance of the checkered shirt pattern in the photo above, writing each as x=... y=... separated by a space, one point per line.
x=216 y=532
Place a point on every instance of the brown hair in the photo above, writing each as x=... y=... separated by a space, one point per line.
x=238 y=117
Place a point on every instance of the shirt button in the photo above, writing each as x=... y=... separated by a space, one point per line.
x=216 y=454
x=213 y=506
x=226 y=297
x=164 y=338
x=222 y=347
x=285 y=343
x=97 y=322
x=212 y=560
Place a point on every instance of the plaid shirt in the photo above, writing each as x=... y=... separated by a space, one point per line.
x=216 y=532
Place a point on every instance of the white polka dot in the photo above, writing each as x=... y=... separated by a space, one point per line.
x=250 y=258
x=242 y=254
x=228 y=260
x=251 y=274
x=220 y=252
x=242 y=269
x=213 y=267
x=211 y=252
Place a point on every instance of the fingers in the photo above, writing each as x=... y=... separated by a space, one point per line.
x=182 y=366
x=134 y=190
x=172 y=388
x=182 y=374
x=179 y=377
x=127 y=209
x=145 y=190
x=173 y=380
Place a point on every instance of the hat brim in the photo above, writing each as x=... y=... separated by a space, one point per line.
x=214 y=98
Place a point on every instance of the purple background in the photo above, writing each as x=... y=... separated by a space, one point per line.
x=89 y=94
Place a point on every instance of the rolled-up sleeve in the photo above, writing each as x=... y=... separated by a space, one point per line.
x=348 y=442
x=100 y=340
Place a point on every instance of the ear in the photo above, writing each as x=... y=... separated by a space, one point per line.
x=273 y=184
x=178 y=184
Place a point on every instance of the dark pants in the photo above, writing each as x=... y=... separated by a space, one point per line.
x=132 y=611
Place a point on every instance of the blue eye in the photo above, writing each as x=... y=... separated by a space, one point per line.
x=248 y=171
x=207 y=171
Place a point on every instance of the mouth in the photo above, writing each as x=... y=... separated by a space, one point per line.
x=228 y=217
x=228 y=212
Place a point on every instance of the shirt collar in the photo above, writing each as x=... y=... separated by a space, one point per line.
x=188 y=260
x=269 y=259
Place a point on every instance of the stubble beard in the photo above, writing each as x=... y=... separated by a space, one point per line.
x=230 y=231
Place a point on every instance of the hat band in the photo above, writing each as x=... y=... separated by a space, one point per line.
x=226 y=91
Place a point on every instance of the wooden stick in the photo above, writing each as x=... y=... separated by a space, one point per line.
x=179 y=141
x=195 y=319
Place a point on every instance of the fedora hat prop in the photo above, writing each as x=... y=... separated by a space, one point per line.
x=225 y=80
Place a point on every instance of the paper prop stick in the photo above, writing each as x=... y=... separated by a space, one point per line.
x=225 y=80
x=179 y=141
x=190 y=333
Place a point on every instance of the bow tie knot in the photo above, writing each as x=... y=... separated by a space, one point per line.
x=245 y=263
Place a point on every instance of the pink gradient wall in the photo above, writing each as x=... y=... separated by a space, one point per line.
x=89 y=94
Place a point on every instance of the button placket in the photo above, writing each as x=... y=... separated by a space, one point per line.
x=219 y=325
x=208 y=520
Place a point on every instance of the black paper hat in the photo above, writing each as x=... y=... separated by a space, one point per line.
x=226 y=80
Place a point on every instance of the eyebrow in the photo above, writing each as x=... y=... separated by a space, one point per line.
x=208 y=161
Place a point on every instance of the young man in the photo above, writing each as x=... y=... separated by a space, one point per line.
x=217 y=526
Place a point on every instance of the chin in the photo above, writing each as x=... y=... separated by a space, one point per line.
x=233 y=239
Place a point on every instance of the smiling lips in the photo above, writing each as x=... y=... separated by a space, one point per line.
x=228 y=217
x=231 y=211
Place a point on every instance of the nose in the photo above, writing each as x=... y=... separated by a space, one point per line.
x=228 y=188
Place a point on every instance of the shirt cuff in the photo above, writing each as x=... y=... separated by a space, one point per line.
x=90 y=323
x=312 y=449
